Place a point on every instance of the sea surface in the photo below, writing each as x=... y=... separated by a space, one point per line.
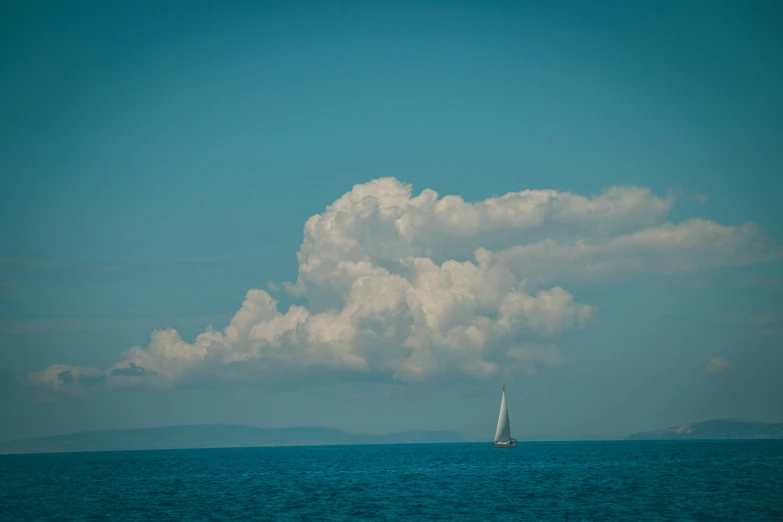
x=591 y=481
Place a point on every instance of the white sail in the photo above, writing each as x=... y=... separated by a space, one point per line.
x=503 y=433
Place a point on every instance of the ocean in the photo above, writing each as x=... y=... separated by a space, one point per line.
x=569 y=481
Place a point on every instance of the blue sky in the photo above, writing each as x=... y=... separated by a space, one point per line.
x=160 y=161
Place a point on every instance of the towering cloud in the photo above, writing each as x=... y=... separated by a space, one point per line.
x=423 y=287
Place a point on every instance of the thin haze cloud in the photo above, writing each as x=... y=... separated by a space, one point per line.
x=717 y=365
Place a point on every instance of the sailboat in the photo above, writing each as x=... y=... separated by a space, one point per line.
x=503 y=433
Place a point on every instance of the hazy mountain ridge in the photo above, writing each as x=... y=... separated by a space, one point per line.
x=213 y=436
x=234 y=436
x=716 y=429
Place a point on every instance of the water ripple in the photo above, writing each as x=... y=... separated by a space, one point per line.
x=537 y=481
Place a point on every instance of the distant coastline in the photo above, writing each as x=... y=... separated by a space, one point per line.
x=214 y=436
x=239 y=436
x=716 y=429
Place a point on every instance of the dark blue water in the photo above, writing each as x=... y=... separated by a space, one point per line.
x=537 y=481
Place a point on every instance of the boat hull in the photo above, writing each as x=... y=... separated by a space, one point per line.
x=511 y=444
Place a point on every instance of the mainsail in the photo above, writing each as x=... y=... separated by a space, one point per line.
x=503 y=433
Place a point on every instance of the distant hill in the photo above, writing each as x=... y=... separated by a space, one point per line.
x=213 y=436
x=718 y=429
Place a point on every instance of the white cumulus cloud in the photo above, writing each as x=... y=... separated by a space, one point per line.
x=417 y=287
